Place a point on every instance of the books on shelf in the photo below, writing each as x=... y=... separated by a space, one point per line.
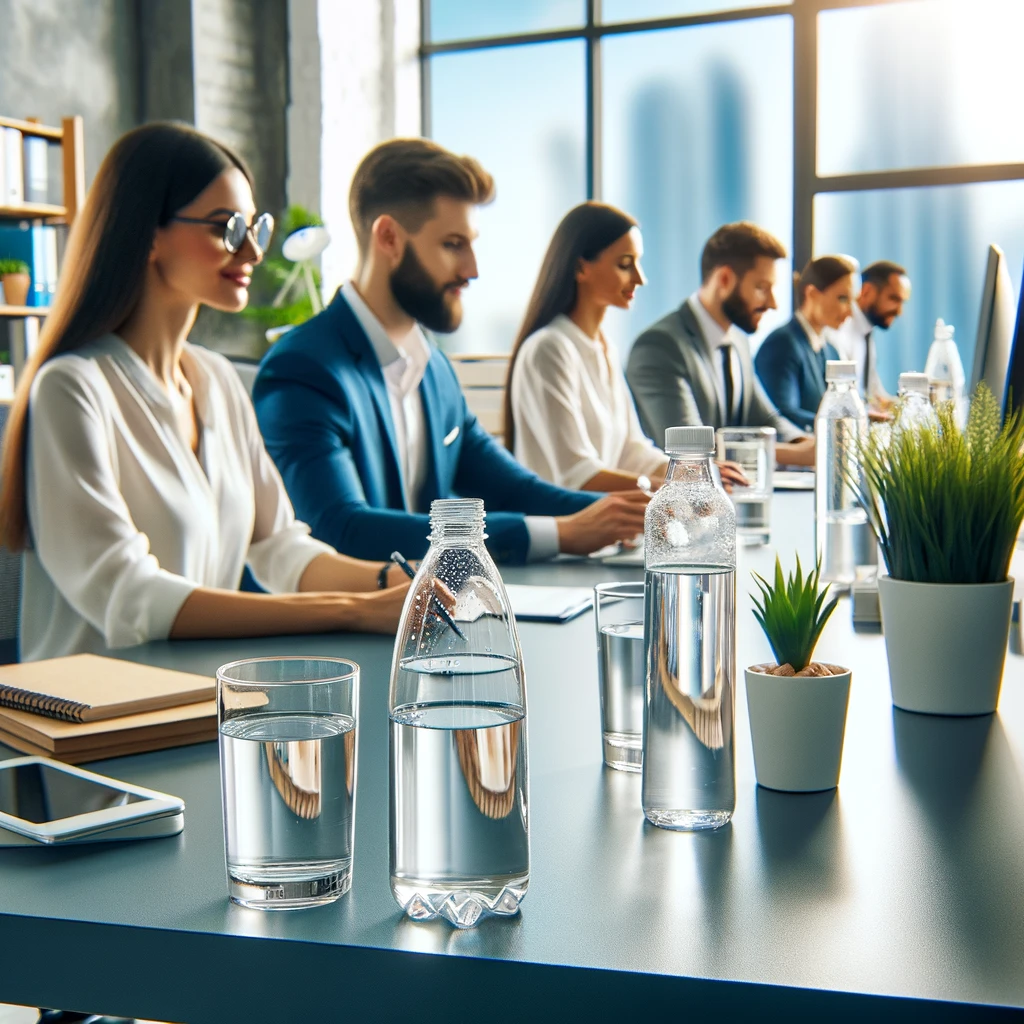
x=86 y=707
x=37 y=245
x=36 y=171
x=12 y=192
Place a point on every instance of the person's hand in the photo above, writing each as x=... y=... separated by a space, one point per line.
x=378 y=611
x=796 y=453
x=879 y=415
x=616 y=517
x=732 y=474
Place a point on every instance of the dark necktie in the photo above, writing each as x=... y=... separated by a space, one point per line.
x=730 y=386
x=868 y=358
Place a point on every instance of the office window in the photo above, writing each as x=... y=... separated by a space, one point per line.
x=521 y=112
x=473 y=19
x=637 y=10
x=697 y=132
x=941 y=235
x=920 y=84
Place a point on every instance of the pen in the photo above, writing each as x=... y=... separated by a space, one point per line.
x=399 y=559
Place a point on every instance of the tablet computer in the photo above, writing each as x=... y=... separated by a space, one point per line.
x=46 y=801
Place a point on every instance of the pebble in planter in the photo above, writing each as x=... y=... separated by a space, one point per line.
x=797 y=707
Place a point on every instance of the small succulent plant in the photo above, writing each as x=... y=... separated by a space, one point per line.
x=792 y=612
x=13 y=267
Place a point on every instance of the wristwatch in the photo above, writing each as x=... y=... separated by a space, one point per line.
x=382 y=576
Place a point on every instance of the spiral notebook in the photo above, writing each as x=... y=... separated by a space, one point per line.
x=90 y=688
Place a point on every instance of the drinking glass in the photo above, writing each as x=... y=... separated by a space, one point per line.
x=753 y=448
x=619 y=617
x=287 y=730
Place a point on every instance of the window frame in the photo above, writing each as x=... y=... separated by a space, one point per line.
x=807 y=183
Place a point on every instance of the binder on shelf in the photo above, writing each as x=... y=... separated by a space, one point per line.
x=36 y=169
x=14 y=192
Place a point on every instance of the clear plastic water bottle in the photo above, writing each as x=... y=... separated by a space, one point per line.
x=840 y=428
x=945 y=371
x=460 y=846
x=689 y=775
x=913 y=408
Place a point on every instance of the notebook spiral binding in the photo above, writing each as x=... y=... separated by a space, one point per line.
x=41 y=704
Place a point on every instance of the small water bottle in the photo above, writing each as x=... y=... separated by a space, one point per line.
x=840 y=428
x=460 y=837
x=913 y=408
x=689 y=774
x=945 y=372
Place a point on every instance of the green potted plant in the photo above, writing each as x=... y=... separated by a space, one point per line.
x=946 y=505
x=797 y=706
x=14 y=277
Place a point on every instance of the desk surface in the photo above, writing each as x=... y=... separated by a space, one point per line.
x=908 y=882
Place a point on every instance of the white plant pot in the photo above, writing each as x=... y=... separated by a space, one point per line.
x=946 y=644
x=797 y=725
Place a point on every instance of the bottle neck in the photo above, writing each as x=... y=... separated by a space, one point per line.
x=841 y=386
x=690 y=469
x=457 y=523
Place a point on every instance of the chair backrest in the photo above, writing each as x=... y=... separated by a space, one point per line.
x=10 y=585
x=246 y=370
x=483 y=383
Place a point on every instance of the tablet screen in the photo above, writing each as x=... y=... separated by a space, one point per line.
x=41 y=793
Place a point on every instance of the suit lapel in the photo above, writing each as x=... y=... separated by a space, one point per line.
x=702 y=363
x=354 y=337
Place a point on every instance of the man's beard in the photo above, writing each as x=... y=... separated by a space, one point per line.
x=738 y=312
x=877 y=321
x=417 y=294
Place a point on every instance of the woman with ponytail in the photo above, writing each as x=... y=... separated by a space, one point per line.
x=134 y=477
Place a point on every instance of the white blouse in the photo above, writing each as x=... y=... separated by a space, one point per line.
x=573 y=412
x=125 y=520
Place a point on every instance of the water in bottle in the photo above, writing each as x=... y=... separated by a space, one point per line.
x=840 y=429
x=913 y=408
x=945 y=372
x=689 y=777
x=460 y=845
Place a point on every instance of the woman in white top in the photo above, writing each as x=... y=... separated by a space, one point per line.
x=134 y=476
x=568 y=413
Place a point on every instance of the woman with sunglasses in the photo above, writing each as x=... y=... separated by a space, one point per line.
x=134 y=476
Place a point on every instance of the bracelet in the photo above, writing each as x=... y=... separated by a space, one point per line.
x=382 y=576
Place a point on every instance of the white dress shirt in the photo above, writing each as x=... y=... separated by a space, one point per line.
x=851 y=343
x=716 y=338
x=125 y=520
x=403 y=367
x=573 y=413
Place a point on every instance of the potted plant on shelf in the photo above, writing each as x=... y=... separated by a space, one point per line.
x=946 y=505
x=16 y=281
x=797 y=707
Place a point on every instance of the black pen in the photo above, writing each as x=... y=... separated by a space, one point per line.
x=399 y=559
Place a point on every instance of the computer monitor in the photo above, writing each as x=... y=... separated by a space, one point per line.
x=995 y=327
x=1015 y=376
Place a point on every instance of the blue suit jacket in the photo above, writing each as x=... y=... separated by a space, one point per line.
x=792 y=373
x=323 y=409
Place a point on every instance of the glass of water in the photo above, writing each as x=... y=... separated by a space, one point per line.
x=287 y=729
x=619 y=616
x=753 y=448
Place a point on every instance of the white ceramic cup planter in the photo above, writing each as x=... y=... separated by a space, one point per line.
x=946 y=644
x=797 y=724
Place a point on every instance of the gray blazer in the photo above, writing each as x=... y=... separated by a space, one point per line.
x=674 y=382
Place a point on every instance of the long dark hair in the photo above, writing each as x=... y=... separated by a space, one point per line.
x=583 y=234
x=148 y=176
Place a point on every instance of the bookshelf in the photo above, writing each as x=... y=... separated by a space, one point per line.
x=71 y=137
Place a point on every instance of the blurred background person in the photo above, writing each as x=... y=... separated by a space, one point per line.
x=693 y=366
x=569 y=415
x=884 y=288
x=791 y=360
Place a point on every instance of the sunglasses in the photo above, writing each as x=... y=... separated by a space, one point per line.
x=236 y=229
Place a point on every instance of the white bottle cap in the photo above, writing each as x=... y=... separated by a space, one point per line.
x=840 y=369
x=914 y=383
x=690 y=440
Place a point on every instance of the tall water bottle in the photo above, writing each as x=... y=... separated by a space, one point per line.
x=913 y=407
x=460 y=846
x=840 y=428
x=689 y=775
x=945 y=372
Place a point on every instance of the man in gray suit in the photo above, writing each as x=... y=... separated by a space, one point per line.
x=693 y=366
